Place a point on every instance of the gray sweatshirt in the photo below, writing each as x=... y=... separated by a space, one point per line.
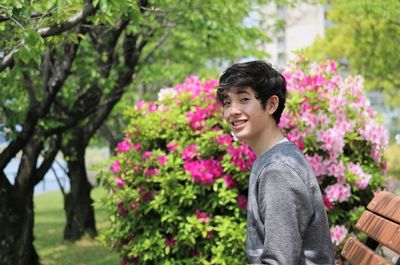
x=286 y=219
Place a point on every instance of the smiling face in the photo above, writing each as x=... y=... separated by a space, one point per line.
x=247 y=118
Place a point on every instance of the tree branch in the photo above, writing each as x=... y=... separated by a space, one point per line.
x=34 y=112
x=30 y=88
x=48 y=159
x=69 y=24
x=51 y=31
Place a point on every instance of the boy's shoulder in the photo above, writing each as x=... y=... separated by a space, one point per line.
x=285 y=152
x=283 y=155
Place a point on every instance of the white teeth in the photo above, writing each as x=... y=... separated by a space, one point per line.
x=237 y=123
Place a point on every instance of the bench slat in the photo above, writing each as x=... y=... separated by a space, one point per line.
x=386 y=204
x=359 y=254
x=380 y=229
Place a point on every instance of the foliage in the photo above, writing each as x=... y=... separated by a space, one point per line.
x=179 y=182
x=366 y=34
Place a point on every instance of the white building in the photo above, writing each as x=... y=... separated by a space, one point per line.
x=303 y=23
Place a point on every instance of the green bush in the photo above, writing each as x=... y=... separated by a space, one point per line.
x=178 y=185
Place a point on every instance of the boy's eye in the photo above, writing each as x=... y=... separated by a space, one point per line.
x=244 y=100
x=226 y=103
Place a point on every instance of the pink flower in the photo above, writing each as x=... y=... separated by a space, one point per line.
x=338 y=192
x=338 y=234
x=224 y=140
x=242 y=202
x=190 y=152
x=139 y=105
x=172 y=146
x=362 y=178
x=202 y=217
x=376 y=155
x=230 y=182
x=162 y=160
x=152 y=171
x=147 y=154
x=134 y=205
x=374 y=133
x=169 y=241
x=337 y=170
x=123 y=146
x=332 y=141
x=317 y=165
x=151 y=107
x=120 y=182
x=116 y=166
x=136 y=147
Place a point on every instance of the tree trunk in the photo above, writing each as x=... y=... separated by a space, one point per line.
x=16 y=222
x=78 y=203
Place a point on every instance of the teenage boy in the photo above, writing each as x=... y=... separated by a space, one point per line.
x=286 y=219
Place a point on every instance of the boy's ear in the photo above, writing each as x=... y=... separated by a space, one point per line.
x=272 y=104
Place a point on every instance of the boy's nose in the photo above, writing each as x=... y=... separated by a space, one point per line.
x=235 y=109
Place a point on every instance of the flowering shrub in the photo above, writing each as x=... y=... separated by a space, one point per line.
x=178 y=186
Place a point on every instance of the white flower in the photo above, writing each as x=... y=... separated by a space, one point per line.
x=167 y=92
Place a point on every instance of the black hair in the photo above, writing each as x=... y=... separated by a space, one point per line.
x=259 y=76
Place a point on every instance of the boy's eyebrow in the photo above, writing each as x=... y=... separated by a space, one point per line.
x=242 y=91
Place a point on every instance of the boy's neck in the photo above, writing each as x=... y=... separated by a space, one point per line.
x=266 y=141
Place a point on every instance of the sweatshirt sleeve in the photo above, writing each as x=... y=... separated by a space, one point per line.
x=285 y=210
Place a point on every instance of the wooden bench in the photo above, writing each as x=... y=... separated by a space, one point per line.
x=381 y=223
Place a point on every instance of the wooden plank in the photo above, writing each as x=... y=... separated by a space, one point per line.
x=386 y=204
x=358 y=254
x=380 y=229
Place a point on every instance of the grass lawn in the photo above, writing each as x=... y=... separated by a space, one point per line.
x=48 y=231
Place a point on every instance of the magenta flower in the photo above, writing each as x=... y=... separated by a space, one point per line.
x=147 y=154
x=151 y=107
x=120 y=182
x=224 y=140
x=172 y=146
x=169 y=241
x=230 y=182
x=242 y=202
x=134 y=205
x=136 y=147
x=121 y=209
x=242 y=156
x=190 y=152
x=328 y=204
x=162 y=160
x=115 y=166
x=152 y=171
x=202 y=217
x=204 y=171
x=196 y=118
x=140 y=105
x=123 y=146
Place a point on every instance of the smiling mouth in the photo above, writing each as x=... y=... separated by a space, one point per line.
x=238 y=123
